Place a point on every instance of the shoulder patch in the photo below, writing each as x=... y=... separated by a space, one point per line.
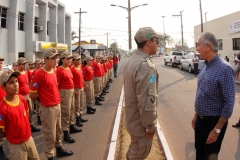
x=152 y=78
x=150 y=63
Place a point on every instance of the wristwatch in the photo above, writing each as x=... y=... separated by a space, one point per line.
x=217 y=130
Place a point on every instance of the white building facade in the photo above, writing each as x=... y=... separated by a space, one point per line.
x=28 y=27
x=227 y=31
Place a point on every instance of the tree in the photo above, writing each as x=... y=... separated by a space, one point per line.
x=73 y=33
x=167 y=39
x=114 y=47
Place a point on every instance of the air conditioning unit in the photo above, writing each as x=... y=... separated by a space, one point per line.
x=40 y=28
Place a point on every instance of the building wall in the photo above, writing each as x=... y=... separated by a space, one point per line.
x=220 y=27
x=13 y=41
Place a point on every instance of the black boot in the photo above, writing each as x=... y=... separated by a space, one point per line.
x=39 y=120
x=82 y=119
x=103 y=94
x=67 y=138
x=101 y=98
x=97 y=102
x=2 y=154
x=89 y=111
x=62 y=152
x=93 y=109
x=105 y=91
x=78 y=122
x=236 y=124
x=110 y=80
x=50 y=158
x=35 y=129
x=74 y=129
x=34 y=108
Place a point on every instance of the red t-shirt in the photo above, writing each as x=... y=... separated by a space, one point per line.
x=77 y=77
x=14 y=120
x=105 y=67
x=2 y=93
x=97 y=70
x=45 y=84
x=103 y=72
x=64 y=78
x=30 y=72
x=115 y=60
x=23 y=84
x=87 y=73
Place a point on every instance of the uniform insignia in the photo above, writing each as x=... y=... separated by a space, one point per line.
x=149 y=36
x=152 y=78
x=35 y=85
x=0 y=117
x=153 y=99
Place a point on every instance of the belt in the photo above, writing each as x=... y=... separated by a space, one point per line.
x=208 y=117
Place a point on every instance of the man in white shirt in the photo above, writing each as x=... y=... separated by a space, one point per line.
x=195 y=61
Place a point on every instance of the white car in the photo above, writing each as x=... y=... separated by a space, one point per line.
x=173 y=58
x=6 y=67
x=187 y=64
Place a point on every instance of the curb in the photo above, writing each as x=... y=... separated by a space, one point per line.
x=113 y=142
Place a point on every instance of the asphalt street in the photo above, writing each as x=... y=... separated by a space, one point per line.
x=93 y=142
x=177 y=91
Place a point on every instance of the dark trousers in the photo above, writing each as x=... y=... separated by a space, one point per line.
x=202 y=129
x=195 y=68
x=115 y=66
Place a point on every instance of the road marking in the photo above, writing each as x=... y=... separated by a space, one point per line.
x=113 y=142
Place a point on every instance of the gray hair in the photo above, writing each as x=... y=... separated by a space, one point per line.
x=208 y=37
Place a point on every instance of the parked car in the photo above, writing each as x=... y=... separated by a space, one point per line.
x=187 y=64
x=173 y=58
x=6 y=67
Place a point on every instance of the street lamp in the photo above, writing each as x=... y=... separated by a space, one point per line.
x=129 y=9
x=200 y=5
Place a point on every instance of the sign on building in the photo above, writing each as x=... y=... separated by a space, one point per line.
x=234 y=27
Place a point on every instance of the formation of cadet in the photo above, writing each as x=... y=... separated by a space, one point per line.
x=55 y=92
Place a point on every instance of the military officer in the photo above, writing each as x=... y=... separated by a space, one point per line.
x=141 y=89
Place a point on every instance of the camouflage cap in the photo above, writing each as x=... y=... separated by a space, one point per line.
x=21 y=60
x=7 y=74
x=38 y=61
x=66 y=54
x=76 y=56
x=31 y=62
x=98 y=57
x=89 y=58
x=146 y=33
x=50 y=53
x=14 y=64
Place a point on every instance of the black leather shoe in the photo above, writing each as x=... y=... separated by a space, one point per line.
x=39 y=120
x=35 y=129
x=50 y=158
x=105 y=91
x=78 y=122
x=74 y=129
x=93 y=109
x=62 y=152
x=2 y=154
x=97 y=102
x=67 y=138
x=82 y=119
x=103 y=94
x=236 y=125
x=101 y=99
x=89 y=111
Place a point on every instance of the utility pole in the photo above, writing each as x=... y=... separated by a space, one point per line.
x=180 y=15
x=201 y=15
x=163 y=25
x=107 y=38
x=129 y=26
x=79 y=35
x=206 y=16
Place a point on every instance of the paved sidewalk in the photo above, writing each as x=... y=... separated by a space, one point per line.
x=93 y=142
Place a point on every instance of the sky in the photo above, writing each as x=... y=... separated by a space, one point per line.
x=102 y=18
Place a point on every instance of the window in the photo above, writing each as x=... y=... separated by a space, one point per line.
x=21 y=21
x=47 y=27
x=3 y=17
x=36 y=25
x=20 y=54
x=220 y=44
x=236 y=43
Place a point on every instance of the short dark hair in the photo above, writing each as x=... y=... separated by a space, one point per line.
x=60 y=61
x=142 y=44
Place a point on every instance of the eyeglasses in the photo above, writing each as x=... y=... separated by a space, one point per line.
x=156 y=40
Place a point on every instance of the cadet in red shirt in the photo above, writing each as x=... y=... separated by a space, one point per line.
x=24 y=89
x=97 y=80
x=14 y=122
x=78 y=89
x=14 y=66
x=89 y=88
x=30 y=71
x=115 y=65
x=66 y=89
x=44 y=89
